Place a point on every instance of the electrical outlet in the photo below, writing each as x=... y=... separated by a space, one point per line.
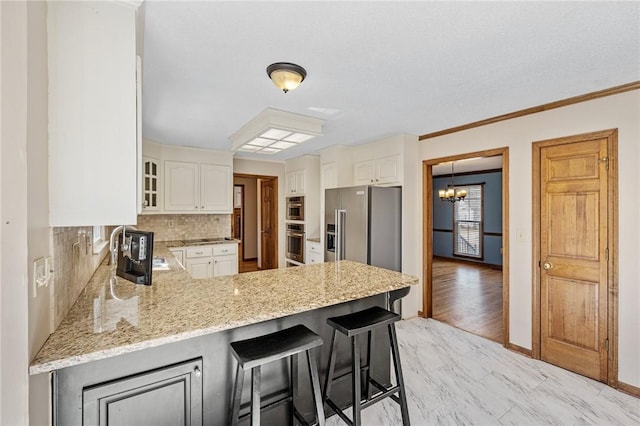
x=170 y=223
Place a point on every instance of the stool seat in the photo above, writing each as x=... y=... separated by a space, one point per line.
x=252 y=354
x=363 y=321
x=272 y=347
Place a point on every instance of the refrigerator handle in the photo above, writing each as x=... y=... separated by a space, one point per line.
x=340 y=234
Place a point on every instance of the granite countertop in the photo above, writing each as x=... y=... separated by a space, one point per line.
x=197 y=242
x=113 y=316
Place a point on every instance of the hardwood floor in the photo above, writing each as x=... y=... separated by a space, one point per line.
x=456 y=378
x=248 y=265
x=468 y=296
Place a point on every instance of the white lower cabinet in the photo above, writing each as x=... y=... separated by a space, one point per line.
x=314 y=253
x=211 y=261
x=199 y=262
x=225 y=259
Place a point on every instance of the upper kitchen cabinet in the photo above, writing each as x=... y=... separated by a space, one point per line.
x=93 y=153
x=382 y=162
x=302 y=175
x=193 y=180
x=337 y=167
x=295 y=182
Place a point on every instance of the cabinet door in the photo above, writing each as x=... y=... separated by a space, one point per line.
x=329 y=175
x=216 y=187
x=200 y=268
x=181 y=186
x=150 y=184
x=388 y=169
x=291 y=182
x=299 y=177
x=93 y=158
x=167 y=396
x=225 y=265
x=364 y=172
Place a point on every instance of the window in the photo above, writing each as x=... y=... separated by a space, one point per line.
x=99 y=239
x=467 y=218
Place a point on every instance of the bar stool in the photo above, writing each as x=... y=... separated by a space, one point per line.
x=353 y=325
x=251 y=354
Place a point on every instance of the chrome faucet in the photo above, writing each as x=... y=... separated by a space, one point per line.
x=113 y=246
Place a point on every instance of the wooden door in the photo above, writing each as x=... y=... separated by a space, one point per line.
x=573 y=255
x=269 y=224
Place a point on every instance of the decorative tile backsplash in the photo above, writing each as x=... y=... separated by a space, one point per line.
x=74 y=263
x=170 y=227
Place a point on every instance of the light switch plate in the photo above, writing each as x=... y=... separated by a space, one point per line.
x=41 y=273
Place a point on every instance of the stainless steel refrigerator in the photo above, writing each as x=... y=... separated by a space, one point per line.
x=364 y=224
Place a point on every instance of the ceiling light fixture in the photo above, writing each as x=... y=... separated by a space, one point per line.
x=452 y=194
x=273 y=131
x=285 y=75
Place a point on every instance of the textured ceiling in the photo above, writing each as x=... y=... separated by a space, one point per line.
x=375 y=69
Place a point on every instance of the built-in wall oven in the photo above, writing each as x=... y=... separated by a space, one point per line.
x=295 y=242
x=295 y=208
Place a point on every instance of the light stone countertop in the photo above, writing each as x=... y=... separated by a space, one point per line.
x=113 y=316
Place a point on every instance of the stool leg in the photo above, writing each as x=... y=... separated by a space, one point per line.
x=315 y=387
x=332 y=363
x=293 y=385
x=255 y=396
x=237 y=394
x=367 y=388
x=356 y=390
x=404 y=409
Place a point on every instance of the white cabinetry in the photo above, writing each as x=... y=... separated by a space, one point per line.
x=215 y=188
x=314 y=253
x=295 y=182
x=151 y=184
x=181 y=186
x=211 y=261
x=329 y=175
x=193 y=180
x=93 y=153
x=378 y=171
x=225 y=259
x=199 y=262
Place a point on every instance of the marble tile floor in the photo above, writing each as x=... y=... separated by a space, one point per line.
x=457 y=378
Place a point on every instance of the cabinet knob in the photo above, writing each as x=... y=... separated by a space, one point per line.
x=202 y=207
x=197 y=372
x=195 y=207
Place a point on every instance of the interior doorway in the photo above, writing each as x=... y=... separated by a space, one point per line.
x=575 y=210
x=255 y=219
x=466 y=261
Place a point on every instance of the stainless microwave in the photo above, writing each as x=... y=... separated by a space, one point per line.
x=295 y=208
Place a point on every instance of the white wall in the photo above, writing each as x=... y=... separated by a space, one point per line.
x=38 y=231
x=268 y=168
x=620 y=111
x=14 y=333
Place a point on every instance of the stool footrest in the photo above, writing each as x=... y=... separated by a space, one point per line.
x=338 y=411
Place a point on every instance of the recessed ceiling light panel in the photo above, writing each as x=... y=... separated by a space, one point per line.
x=273 y=130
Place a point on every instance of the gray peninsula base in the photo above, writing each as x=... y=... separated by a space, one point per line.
x=190 y=382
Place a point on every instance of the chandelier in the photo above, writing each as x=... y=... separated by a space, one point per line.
x=452 y=194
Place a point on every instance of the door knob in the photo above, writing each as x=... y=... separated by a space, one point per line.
x=547 y=265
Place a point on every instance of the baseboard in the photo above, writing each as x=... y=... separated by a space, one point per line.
x=515 y=348
x=629 y=389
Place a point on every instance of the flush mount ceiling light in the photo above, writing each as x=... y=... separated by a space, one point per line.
x=285 y=75
x=273 y=131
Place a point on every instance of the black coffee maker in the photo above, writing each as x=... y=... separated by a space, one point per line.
x=135 y=256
